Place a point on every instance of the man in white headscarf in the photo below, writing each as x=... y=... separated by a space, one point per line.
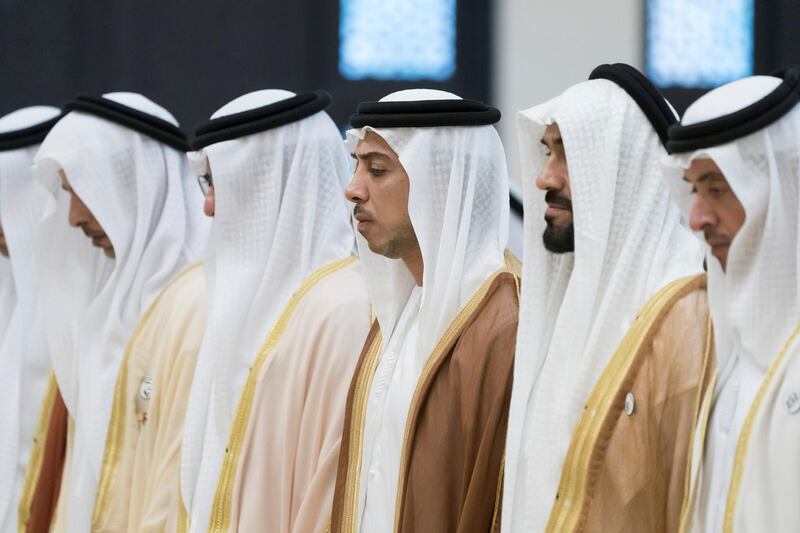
x=426 y=414
x=120 y=158
x=24 y=360
x=736 y=171
x=288 y=311
x=613 y=324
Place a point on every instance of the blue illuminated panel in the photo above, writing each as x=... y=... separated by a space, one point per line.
x=397 y=39
x=699 y=43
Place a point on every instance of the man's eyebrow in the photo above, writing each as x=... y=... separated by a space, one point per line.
x=711 y=174
x=556 y=141
x=368 y=155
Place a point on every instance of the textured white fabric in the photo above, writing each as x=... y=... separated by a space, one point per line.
x=722 y=436
x=576 y=307
x=754 y=306
x=134 y=186
x=458 y=205
x=24 y=361
x=280 y=215
x=390 y=397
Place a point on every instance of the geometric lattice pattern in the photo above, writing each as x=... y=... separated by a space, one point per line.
x=699 y=43
x=397 y=39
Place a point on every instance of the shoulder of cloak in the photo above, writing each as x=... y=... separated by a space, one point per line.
x=177 y=316
x=492 y=327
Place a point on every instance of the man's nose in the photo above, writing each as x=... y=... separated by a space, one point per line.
x=547 y=179
x=356 y=190
x=78 y=213
x=702 y=215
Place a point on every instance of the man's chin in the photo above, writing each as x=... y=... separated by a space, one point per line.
x=559 y=239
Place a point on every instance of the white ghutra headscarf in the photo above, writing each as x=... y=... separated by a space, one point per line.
x=280 y=215
x=24 y=360
x=763 y=268
x=458 y=206
x=135 y=188
x=575 y=309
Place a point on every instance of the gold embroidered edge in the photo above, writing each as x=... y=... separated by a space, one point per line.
x=34 y=467
x=358 y=414
x=702 y=411
x=223 y=497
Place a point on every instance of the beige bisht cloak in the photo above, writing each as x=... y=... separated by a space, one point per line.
x=140 y=479
x=139 y=482
x=625 y=470
x=283 y=480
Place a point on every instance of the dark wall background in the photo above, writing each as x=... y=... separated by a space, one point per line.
x=776 y=44
x=192 y=57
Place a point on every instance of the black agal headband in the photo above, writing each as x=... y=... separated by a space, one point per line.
x=12 y=140
x=424 y=114
x=740 y=123
x=643 y=92
x=260 y=119
x=144 y=123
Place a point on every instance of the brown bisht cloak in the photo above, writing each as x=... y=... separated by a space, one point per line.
x=451 y=467
x=627 y=464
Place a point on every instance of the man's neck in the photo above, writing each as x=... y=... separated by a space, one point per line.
x=414 y=265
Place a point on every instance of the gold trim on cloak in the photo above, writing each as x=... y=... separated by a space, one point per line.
x=744 y=437
x=34 y=467
x=452 y=331
x=569 y=504
x=359 y=411
x=702 y=413
x=115 y=437
x=223 y=497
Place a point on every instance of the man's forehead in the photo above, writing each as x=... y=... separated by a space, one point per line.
x=374 y=145
x=552 y=130
x=703 y=169
x=552 y=135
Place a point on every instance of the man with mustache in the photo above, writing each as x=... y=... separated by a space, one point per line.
x=117 y=301
x=611 y=354
x=735 y=172
x=425 y=423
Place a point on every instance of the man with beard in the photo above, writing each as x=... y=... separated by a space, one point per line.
x=612 y=352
